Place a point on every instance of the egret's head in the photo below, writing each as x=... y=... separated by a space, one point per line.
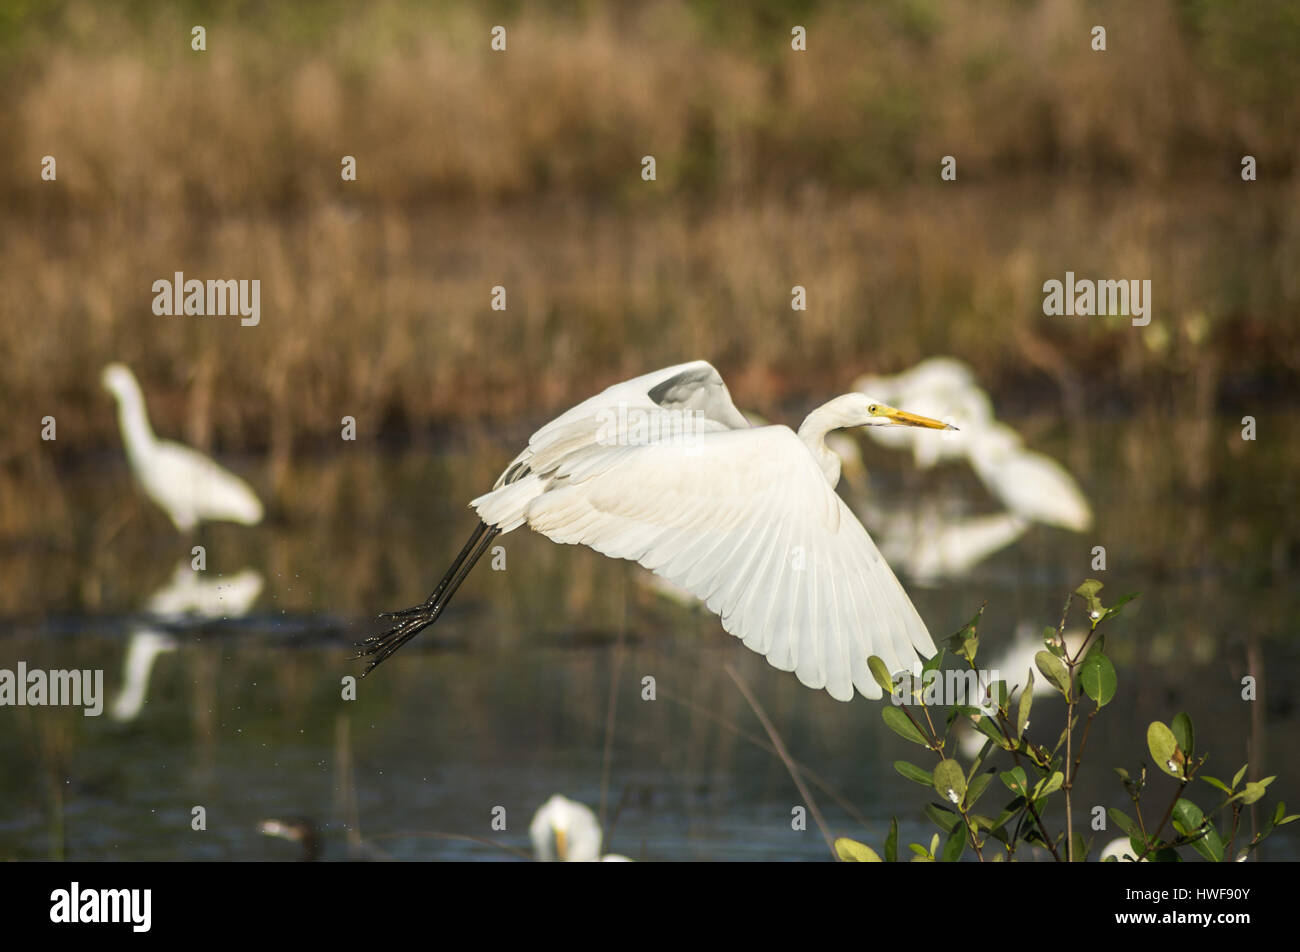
x=862 y=410
x=118 y=380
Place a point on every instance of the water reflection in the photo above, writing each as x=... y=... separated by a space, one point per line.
x=188 y=595
x=143 y=647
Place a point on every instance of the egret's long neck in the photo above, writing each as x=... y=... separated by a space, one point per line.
x=131 y=416
x=813 y=432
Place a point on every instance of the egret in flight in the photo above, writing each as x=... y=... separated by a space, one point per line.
x=665 y=471
x=188 y=486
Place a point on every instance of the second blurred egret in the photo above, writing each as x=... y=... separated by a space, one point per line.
x=187 y=485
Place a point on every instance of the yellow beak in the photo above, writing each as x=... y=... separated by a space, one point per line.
x=561 y=845
x=912 y=419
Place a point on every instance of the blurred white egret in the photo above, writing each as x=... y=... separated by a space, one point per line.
x=566 y=831
x=1027 y=483
x=188 y=486
x=142 y=650
x=1121 y=849
x=1030 y=484
x=929 y=546
x=664 y=470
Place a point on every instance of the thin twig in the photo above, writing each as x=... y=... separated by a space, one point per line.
x=783 y=754
x=763 y=744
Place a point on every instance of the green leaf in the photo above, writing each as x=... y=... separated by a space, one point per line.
x=1049 y=784
x=919 y=850
x=955 y=845
x=1088 y=592
x=1026 y=702
x=891 y=842
x=851 y=851
x=1188 y=814
x=1254 y=791
x=1210 y=846
x=1123 y=821
x=1097 y=646
x=1054 y=670
x=966 y=642
x=1188 y=819
x=1215 y=782
x=1097 y=676
x=912 y=772
x=1115 y=609
x=989 y=728
x=975 y=789
x=932 y=663
x=999 y=693
x=1181 y=725
x=1164 y=749
x=950 y=780
x=1050 y=642
x=1089 y=588
x=880 y=672
x=1240 y=773
x=942 y=817
x=1080 y=848
x=1015 y=781
x=902 y=725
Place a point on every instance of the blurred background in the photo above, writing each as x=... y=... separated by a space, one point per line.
x=522 y=169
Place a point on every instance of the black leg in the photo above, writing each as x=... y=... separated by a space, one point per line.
x=451 y=573
x=414 y=620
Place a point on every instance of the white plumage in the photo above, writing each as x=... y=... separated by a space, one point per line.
x=566 y=831
x=187 y=485
x=665 y=471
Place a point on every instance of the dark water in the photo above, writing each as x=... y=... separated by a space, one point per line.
x=531 y=684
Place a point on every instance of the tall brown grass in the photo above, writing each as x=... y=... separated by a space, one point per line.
x=522 y=169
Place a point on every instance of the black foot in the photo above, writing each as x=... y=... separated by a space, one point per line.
x=377 y=648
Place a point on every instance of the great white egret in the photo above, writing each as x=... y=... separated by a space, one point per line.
x=188 y=486
x=1027 y=483
x=664 y=470
x=564 y=830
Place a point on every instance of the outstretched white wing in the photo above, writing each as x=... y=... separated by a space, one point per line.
x=692 y=394
x=745 y=520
